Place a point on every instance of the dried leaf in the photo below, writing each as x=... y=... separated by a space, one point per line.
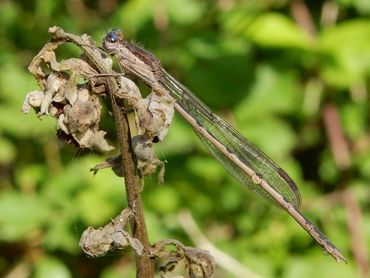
x=76 y=107
x=198 y=262
x=98 y=242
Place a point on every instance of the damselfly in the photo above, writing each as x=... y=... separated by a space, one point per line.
x=242 y=159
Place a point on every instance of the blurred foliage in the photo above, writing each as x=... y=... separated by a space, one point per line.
x=262 y=65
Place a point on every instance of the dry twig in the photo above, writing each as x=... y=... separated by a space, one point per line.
x=76 y=107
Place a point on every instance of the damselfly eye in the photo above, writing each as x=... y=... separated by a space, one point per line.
x=110 y=41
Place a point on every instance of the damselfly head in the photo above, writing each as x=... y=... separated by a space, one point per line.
x=112 y=39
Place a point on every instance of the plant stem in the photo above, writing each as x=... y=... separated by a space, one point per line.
x=144 y=265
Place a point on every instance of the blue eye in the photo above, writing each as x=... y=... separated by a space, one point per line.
x=112 y=38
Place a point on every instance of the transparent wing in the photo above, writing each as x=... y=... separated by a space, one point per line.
x=235 y=143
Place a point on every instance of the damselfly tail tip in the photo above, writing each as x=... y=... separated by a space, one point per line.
x=340 y=258
x=336 y=254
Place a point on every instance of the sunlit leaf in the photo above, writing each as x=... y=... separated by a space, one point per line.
x=206 y=167
x=184 y=11
x=353 y=116
x=134 y=14
x=303 y=268
x=30 y=176
x=51 y=267
x=164 y=199
x=274 y=91
x=363 y=163
x=277 y=30
x=347 y=50
x=13 y=121
x=7 y=151
x=21 y=216
x=270 y=134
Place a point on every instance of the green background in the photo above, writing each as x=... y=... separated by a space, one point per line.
x=276 y=70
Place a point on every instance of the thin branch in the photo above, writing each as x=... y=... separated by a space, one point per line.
x=342 y=157
x=144 y=264
x=222 y=259
x=302 y=16
x=329 y=13
x=354 y=222
x=337 y=140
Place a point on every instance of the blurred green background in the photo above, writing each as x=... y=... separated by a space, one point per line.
x=293 y=77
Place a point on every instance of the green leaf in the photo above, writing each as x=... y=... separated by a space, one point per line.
x=119 y=271
x=7 y=151
x=363 y=164
x=274 y=91
x=179 y=140
x=184 y=11
x=21 y=215
x=102 y=197
x=277 y=30
x=13 y=121
x=328 y=170
x=94 y=198
x=62 y=233
x=206 y=167
x=51 y=267
x=346 y=47
x=15 y=82
x=138 y=12
x=135 y=13
x=30 y=176
x=232 y=198
x=272 y=135
x=354 y=119
x=164 y=199
x=302 y=267
x=8 y=13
